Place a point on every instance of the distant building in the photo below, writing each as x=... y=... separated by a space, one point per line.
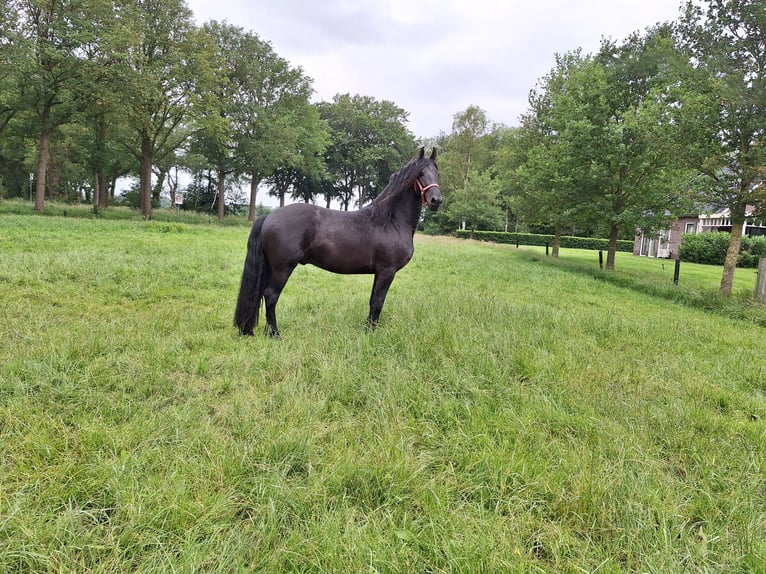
x=665 y=244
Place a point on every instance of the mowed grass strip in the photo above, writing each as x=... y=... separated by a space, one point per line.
x=508 y=415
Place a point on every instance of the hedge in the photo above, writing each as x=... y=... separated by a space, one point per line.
x=567 y=241
x=710 y=248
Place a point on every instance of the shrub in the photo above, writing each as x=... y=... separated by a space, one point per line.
x=706 y=248
x=757 y=245
x=567 y=241
x=753 y=248
x=710 y=249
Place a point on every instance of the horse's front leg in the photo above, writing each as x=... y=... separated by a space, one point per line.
x=380 y=285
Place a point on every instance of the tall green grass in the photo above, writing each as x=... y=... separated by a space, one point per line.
x=508 y=415
x=697 y=284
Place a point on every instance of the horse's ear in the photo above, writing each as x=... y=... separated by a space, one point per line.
x=422 y=153
x=433 y=154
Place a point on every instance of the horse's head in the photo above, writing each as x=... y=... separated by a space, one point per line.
x=427 y=182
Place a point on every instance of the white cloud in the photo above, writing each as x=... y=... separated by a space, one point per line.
x=435 y=58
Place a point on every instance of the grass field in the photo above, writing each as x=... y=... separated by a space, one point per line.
x=510 y=414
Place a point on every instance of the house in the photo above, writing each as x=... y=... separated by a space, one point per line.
x=665 y=244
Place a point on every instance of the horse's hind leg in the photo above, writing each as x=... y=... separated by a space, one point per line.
x=271 y=297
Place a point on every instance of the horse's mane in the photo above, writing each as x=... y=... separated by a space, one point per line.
x=382 y=207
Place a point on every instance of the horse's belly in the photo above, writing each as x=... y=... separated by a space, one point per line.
x=346 y=263
x=357 y=257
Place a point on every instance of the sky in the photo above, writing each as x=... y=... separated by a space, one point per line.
x=435 y=58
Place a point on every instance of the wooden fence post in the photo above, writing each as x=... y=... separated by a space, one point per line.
x=760 y=282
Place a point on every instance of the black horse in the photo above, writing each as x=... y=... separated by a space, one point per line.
x=376 y=239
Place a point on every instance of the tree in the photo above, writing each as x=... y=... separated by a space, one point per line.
x=162 y=76
x=98 y=78
x=469 y=127
x=477 y=204
x=613 y=136
x=308 y=187
x=721 y=108
x=103 y=102
x=304 y=161
x=468 y=175
x=369 y=142
x=52 y=37
x=60 y=79
x=542 y=192
x=214 y=137
x=9 y=62
x=273 y=118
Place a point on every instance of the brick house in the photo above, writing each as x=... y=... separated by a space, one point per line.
x=665 y=244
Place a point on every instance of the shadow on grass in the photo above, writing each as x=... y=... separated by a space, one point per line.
x=740 y=305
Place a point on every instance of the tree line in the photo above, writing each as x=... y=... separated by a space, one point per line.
x=94 y=90
x=670 y=121
x=667 y=122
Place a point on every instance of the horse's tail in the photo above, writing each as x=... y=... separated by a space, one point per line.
x=255 y=279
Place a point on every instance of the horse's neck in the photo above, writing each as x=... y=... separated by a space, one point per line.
x=407 y=211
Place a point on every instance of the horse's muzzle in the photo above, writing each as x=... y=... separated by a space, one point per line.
x=435 y=202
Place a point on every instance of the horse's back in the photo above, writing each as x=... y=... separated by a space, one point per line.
x=294 y=214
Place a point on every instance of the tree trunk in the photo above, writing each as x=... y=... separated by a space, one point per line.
x=145 y=176
x=556 y=240
x=732 y=253
x=112 y=186
x=221 y=196
x=54 y=181
x=173 y=187
x=99 y=177
x=103 y=187
x=612 y=246
x=98 y=191
x=255 y=180
x=42 y=169
x=157 y=189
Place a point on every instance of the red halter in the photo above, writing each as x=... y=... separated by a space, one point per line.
x=419 y=188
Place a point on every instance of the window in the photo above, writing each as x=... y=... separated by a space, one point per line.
x=691 y=228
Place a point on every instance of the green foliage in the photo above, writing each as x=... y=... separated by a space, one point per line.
x=596 y=144
x=707 y=248
x=710 y=249
x=476 y=204
x=369 y=141
x=756 y=246
x=132 y=198
x=543 y=239
x=720 y=108
x=139 y=434
x=256 y=119
x=468 y=150
x=469 y=177
x=109 y=96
